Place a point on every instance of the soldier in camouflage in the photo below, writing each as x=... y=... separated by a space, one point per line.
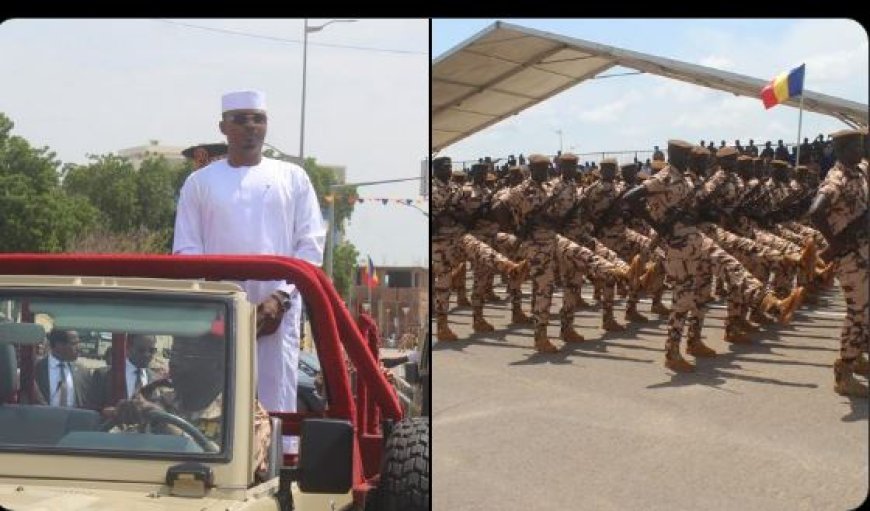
x=840 y=212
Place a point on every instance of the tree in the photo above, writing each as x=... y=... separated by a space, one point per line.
x=343 y=266
x=35 y=214
x=109 y=182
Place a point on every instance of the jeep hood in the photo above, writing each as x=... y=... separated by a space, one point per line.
x=32 y=497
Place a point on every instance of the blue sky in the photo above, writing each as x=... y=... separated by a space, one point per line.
x=637 y=112
x=97 y=86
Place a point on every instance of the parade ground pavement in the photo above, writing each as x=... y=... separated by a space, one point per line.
x=602 y=425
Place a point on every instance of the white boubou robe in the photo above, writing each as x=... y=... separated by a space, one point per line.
x=270 y=208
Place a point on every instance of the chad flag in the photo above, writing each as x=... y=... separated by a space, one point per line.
x=784 y=86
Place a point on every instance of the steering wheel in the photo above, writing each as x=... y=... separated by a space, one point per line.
x=162 y=417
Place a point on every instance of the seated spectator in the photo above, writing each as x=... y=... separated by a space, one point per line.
x=60 y=380
x=658 y=154
x=137 y=371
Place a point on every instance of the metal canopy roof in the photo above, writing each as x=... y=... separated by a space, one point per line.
x=506 y=68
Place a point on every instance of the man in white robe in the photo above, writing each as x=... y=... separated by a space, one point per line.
x=249 y=204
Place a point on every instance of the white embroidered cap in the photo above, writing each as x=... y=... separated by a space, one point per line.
x=243 y=100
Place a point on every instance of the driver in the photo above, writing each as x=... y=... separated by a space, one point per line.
x=193 y=392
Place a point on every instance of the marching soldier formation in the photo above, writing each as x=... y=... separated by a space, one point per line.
x=763 y=236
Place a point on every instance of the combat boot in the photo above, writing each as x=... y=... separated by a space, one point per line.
x=861 y=366
x=646 y=280
x=734 y=335
x=462 y=299
x=542 y=344
x=518 y=317
x=635 y=270
x=581 y=303
x=492 y=297
x=659 y=308
x=568 y=334
x=825 y=274
x=758 y=316
x=788 y=305
x=631 y=314
x=596 y=293
x=609 y=323
x=480 y=325
x=845 y=383
x=675 y=362
x=746 y=326
x=697 y=348
x=444 y=333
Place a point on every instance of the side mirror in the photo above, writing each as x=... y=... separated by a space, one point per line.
x=326 y=456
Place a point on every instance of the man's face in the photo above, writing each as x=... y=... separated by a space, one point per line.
x=539 y=171
x=608 y=172
x=569 y=170
x=141 y=350
x=67 y=351
x=195 y=361
x=245 y=129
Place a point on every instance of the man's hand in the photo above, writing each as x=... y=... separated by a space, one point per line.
x=134 y=411
x=269 y=316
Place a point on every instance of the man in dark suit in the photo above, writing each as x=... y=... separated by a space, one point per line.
x=137 y=371
x=60 y=381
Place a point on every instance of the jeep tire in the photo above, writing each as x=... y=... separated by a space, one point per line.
x=405 y=483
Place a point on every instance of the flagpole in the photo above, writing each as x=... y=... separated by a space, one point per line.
x=797 y=157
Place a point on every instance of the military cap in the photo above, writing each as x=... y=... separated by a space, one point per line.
x=568 y=158
x=679 y=147
x=490 y=176
x=844 y=139
x=458 y=174
x=212 y=150
x=629 y=167
x=657 y=165
x=516 y=169
x=779 y=164
x=609 y=162
x=744 y=162
x=801 y=170
x=442 y=162
x=699 y=151
x=538 y=159
x=727 y=152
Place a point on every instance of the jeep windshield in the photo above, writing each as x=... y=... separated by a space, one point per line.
x=161 y=391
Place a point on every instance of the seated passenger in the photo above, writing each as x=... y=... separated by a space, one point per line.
x=193 y=392
x=137 y=371
x=60 y=380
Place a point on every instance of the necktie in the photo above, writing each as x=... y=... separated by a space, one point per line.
x=62 y=387
x=140 y=380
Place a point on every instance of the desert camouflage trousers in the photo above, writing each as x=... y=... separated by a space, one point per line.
x=507 y=245
x=576 y=260
x=539 y=250
x=628 y=243
x=852 y=272
x=691 y=258
x=450 y=251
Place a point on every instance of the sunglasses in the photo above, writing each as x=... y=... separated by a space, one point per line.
x=243 y=118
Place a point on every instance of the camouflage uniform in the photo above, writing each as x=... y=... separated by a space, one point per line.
x=847 y=189
x=578 y=254
x=209 y=420
x=686 y=249
x=451 y=245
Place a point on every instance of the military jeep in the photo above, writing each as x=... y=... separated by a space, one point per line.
x=358 y=453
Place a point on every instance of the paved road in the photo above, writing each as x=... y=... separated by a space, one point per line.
x=603 y=425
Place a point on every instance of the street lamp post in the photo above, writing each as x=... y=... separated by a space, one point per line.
x=309 y=29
